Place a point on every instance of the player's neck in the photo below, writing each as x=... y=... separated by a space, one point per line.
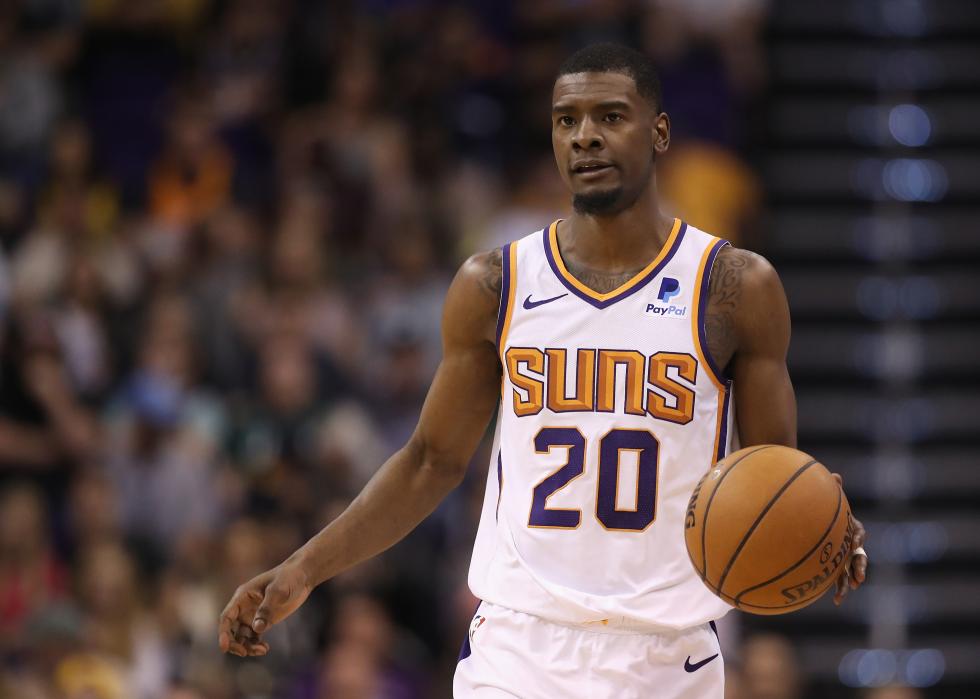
x=619 y=242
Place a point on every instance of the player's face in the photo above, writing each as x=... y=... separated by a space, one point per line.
x=606 y=137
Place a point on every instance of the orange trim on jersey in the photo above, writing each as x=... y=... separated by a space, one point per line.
x=508 y=311
x=697 y=329
x=636 y=279
x=718 y=381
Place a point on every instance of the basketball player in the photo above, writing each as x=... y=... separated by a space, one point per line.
x=619 y=345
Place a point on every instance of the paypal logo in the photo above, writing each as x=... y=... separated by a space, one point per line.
x=669 y=288
x=670 y=311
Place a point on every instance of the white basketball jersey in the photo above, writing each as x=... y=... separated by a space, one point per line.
x=611 y=411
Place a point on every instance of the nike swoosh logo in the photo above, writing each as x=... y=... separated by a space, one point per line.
x=694 y=667
x=529 y=304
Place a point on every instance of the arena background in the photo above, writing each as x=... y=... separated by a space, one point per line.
x=226 y=230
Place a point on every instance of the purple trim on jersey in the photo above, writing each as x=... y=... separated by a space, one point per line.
x=504 y=291
x=703 y=310
x=723 y=438
x=618 y=297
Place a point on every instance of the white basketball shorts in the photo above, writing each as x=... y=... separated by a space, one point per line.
x=511 y=654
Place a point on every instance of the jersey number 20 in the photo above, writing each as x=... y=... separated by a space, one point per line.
x=611 y=445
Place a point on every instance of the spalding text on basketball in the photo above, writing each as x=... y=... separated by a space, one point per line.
x=797 y=592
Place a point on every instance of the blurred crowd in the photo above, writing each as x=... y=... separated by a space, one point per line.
x=225 y=233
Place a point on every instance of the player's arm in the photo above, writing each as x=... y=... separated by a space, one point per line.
x=747 y=302
x=748 y=331
x=410 y=484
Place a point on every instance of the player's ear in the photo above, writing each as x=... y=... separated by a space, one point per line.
x=661 y=133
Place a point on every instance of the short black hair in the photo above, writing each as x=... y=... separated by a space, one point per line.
x=616 y=58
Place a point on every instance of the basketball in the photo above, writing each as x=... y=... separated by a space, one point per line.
x=768 y=529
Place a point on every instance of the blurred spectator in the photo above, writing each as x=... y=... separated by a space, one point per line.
x=276 y=440
x=301 y=297
x=86 y=676
x=81 y=319
x=362 y=662
x=117 y=626
x=31 y=574
x=537 y=198
x=43 y=427
x=165 y=431
x=53 y=634
x=893 y=692
x=242 y=61
x=350 y=672
x=242 y=554
x=240 y=72
x=86 y=202
x=770 y=668
x=712 y=188
x=193 y=175
x=404 y=306
x=93 y=510
x=30 y=97
x=229 y=247
x=76 y=210
x=707 y=47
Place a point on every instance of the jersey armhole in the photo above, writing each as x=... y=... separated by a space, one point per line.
x=717 y=375
x=508 y=286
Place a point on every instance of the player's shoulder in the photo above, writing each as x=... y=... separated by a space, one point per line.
x=483 y=272
x=473 y=300
x=739 y=272
x=480 y=278
x=746 y=304
x=746 y=261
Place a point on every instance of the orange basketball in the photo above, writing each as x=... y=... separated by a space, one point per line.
x=768 y=529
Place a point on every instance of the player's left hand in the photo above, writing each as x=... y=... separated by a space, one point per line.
x=856 y=569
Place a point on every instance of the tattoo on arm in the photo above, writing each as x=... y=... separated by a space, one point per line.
x=724 y=290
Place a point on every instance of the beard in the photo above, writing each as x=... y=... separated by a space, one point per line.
x=604 y=203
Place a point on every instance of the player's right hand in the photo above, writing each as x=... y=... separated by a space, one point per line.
x=256 y=606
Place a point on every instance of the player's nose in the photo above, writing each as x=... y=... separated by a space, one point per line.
x=587 y=136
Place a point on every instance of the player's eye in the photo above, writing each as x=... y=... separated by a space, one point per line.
x=613 y=117
x=566 y=120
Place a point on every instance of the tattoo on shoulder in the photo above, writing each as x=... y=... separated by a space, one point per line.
x=724 y=292
x=493 y=272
